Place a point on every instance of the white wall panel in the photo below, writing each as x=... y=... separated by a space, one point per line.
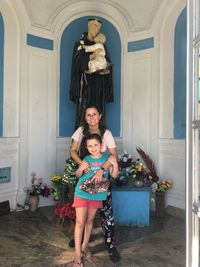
x=38 y=114
x=42 y=114
x=137 y=102
x=62 y=153
x=172 y=165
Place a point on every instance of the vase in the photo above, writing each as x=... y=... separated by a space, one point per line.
x=160 y=204
x=138 y=183
x=33 y=202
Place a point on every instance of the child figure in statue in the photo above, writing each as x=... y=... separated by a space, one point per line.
x=98 y=63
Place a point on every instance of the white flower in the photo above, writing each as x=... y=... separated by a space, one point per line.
x=125 y=159
x=154 y=187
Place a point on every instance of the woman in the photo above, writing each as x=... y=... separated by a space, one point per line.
x=93 y=123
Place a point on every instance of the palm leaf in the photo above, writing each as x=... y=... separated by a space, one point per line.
x=149 y=163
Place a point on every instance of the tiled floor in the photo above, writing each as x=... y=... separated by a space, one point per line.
x=37 y=239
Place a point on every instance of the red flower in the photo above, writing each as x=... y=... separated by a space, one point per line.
x=67 y=211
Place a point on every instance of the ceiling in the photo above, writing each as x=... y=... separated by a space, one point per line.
x=138 y=13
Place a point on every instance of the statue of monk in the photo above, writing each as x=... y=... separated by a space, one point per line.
x=88 y=88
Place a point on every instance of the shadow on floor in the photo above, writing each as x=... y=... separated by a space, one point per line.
x=38 y=239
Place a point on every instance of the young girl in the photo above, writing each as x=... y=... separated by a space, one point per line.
x=87 y=204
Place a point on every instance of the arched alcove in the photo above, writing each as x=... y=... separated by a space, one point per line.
x=70 y=35
x=1 y=72
x=180 y=76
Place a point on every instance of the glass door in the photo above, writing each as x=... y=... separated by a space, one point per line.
x=193 y=134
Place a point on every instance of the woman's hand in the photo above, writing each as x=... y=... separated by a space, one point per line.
x=97 y=176
x=84 y=166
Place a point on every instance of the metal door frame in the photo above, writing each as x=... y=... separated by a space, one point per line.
x=192 y=136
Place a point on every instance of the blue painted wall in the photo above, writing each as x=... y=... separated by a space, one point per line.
x=67 y=108
x=180 y=77
x=1 y=72
x=141 y=45
x=39 y=42
x=72 y=34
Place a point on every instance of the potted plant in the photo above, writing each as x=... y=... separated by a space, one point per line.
x=138 y=171
x=38 y=188
x=160 y=188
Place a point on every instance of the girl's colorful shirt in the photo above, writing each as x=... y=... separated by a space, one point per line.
x=95 y=164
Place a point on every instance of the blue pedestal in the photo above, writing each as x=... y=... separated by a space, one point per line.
x=131 y=205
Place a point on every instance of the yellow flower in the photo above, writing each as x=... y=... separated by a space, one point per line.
x=169 y=183
x=56 y=178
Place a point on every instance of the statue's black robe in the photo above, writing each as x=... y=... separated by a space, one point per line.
x=87 y=89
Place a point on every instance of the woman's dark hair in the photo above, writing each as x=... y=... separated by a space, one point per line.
x=102 y=128
x=84 y=124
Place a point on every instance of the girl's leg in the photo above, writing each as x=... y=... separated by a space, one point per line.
x=88 y=227
x=81 y=215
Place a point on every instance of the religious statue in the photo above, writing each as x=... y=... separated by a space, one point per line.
x=90 y=86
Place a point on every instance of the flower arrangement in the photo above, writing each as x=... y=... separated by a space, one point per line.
x=60 y=190
x=151 y=173
x=57 y=187
x=38 y=187
x=142 y=169
x=61 y=194
x=148 y=179
x=66 y=211
x=124 y=160
x=138 y=170
x=162 y=186
x=131 y=169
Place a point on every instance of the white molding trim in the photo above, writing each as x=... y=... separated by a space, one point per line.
x=9 y=157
